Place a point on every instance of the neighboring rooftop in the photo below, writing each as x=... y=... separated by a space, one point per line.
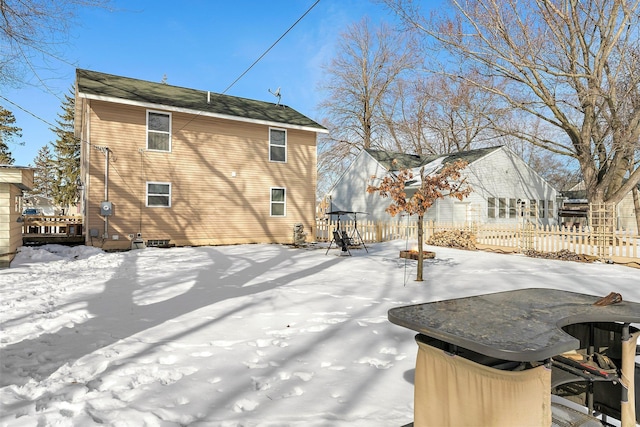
x=398 y=161
x=96 y=85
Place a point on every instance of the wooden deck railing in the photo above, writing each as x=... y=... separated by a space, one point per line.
x=52 y=225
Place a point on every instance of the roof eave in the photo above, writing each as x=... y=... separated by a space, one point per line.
x=198 y=112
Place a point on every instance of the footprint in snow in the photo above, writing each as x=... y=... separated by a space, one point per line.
x=376 y=363
x=304 y=376
x=261 y=343
x=245 y=405
x=331 y=367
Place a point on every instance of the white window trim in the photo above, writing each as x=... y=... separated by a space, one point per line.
x=286 y=143
x=147 y=196
x=170 y=130
x=271 y=202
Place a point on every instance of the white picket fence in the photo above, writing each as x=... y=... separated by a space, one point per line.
x=604 y=243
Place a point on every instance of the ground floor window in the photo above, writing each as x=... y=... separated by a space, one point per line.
x=278 y=202
x=512 y=208
x=159 y=194
x=502 y=207
x=491 y=207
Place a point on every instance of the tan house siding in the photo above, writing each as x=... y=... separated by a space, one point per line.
x=220 y=177
x=15 y=180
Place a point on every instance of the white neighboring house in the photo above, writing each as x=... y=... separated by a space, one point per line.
x=43 y=205
x=504 y=187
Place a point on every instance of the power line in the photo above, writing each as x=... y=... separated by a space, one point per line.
x=29 y=112
x=270 y=47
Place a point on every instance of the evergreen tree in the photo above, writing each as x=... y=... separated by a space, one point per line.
x=8 y=131
x=44 y=175
x=67 y=155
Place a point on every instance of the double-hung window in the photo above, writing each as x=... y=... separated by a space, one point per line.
x=278 y=202
x=158 y=131
x=277 y=145
x=491 y=207
x=533 y=206
x=512 y=208
x=159 y=194
x=502 y=207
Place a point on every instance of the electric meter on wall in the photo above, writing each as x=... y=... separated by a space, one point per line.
x=106 y=208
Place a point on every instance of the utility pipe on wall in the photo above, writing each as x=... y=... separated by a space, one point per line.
x=105 y=150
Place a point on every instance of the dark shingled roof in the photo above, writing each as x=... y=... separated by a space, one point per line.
x=93 y=83
x=398 y=161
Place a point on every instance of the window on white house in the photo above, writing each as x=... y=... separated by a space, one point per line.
x=158 y=131
x=541 y=209
x=278 y=202
x=159 y=194
x=491 y=207
x=532 y=208
x=278 y=145
x=550 y=213
x=502 y=207
x=512 y=208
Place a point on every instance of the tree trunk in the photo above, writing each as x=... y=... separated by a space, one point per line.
x=636 y=207
x=420 y=251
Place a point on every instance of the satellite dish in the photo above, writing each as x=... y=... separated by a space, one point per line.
x=276 y=94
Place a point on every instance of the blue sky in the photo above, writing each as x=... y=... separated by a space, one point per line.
x=200 y=44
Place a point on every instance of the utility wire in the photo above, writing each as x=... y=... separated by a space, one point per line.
x=270 y=47
x=29 y=112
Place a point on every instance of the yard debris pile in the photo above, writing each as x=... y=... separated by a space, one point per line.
x=453 y=239
x=563 y=254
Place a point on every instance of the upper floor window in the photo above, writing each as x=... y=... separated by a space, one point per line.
x=278 y=202
x=277 y=145
x=158 y=131
x=159 y=194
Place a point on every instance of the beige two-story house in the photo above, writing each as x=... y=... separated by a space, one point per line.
x=168 y=165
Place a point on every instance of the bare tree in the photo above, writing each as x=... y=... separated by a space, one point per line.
x=571 y=64
x=435 y=114
x=31 y=29
x=359 y=77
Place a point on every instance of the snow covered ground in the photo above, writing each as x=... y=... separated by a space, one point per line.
x=248 y=335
